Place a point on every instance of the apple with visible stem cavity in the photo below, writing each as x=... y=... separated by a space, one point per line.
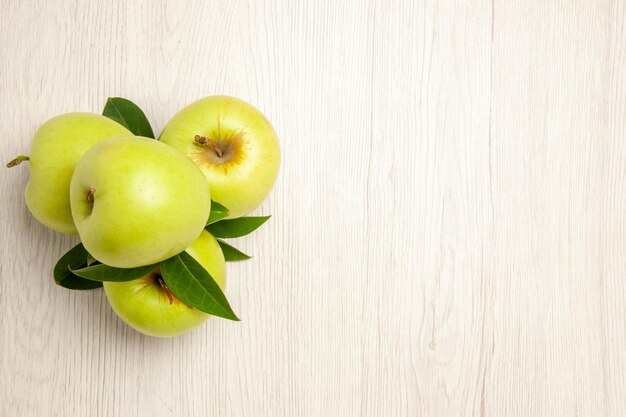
x=136 y=201
x=148 y=306
x=56 y=149
x=234 y=145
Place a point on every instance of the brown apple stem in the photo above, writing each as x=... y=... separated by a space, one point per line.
x=90 y=195
x=169 y=294
x=206 y=142
x=17 y=161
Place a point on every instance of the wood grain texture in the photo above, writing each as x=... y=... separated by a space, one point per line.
x=449 y=227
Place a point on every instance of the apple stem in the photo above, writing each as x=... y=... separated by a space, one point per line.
x=90 y=195
x=17 y=161
x=204 y=141
x=163 y=285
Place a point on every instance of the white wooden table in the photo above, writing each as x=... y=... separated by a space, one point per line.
x=449 y=225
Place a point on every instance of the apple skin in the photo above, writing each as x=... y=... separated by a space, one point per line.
x=145 y=306
x=149 y=201
x=245 y=174
x=56 y=149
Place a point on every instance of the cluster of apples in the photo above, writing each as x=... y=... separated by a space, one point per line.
x=152 y=213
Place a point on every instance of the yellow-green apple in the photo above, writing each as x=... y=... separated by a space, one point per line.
x=234 y=145
x=56 y=148
x=147 y=305
x=136 y=201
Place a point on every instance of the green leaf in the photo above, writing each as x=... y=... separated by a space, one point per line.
x=232 y=254
x=129 y=115
x=91 y=260
x=236 y=227
x=218 y=212
x=102 y=272
x=194 y=286
x=74 y=258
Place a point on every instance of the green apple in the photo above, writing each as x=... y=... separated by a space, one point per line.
x=136 y=201
x=234 y=145
x=147 y=305
x=56 y=148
